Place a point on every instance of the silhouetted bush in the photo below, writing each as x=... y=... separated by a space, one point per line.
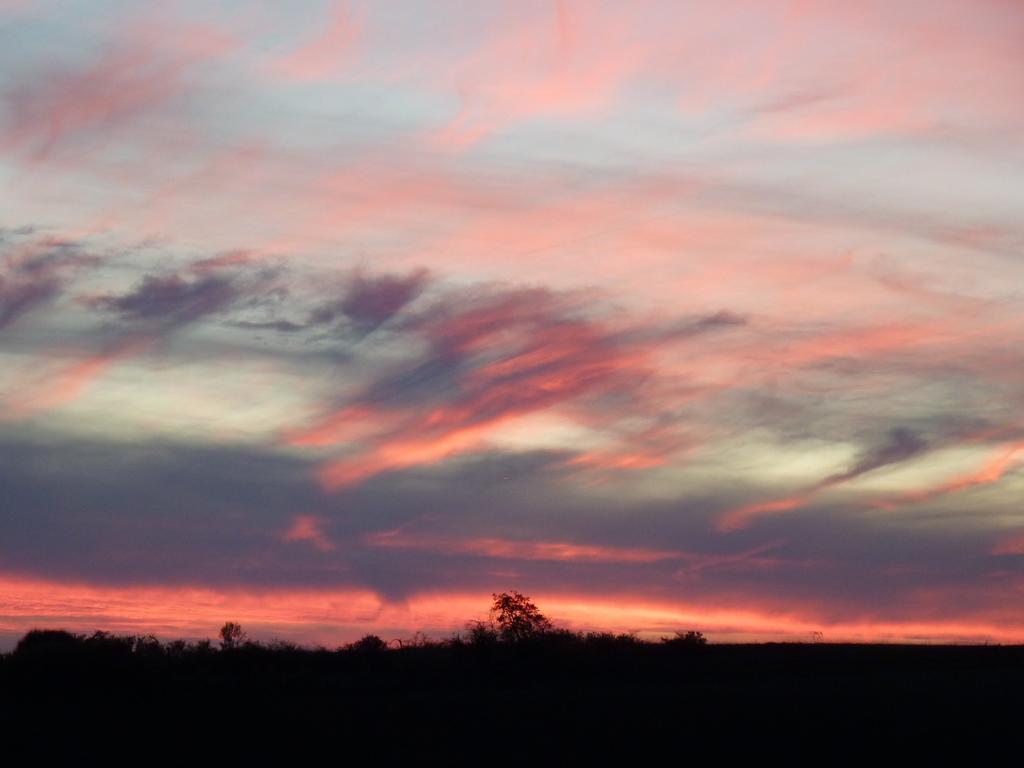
x=283 y=646
x=368 y=644
x=689 y=639
x=176 y=648
x=418 y=640
x=49 y=641
x=481 y=634
x=610 y=640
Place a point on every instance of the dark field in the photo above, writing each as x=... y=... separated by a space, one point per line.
x=546 y=699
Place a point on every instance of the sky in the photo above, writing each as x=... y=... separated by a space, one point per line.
x=337 y=317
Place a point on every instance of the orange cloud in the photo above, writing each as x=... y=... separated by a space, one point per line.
x=559 y=551
x=391 y=453
x=992 y=471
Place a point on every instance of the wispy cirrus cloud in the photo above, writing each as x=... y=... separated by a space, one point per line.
x=55 y=110
x=325 y=52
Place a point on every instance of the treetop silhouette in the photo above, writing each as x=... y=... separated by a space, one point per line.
x=517 y=617
x=231 y=636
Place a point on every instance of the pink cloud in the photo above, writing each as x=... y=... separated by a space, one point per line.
x=743 y=516
x=1013 y=545
x=309 y=529
x=569 y=59
x=813 y=72
x=522 y=353
x=137 y=75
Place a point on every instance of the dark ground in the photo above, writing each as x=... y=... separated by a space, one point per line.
x=558 y=699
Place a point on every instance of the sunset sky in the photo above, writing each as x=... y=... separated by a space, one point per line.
x=336 y=317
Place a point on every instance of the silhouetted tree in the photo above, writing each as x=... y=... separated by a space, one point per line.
x=231 y=636
x=517 y=617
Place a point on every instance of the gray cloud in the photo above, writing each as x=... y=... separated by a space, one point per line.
x=17 y=297
x=369 y=301
x=34 y=273
x=164 y=302
x=180 y=514
x=172 y=299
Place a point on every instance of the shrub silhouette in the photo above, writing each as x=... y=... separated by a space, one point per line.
x=517 y=617
x=691 y=638
x=47 y=641
x=369 y=644
x=482 y=633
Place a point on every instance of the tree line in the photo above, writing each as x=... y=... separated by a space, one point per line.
x=513 y=619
